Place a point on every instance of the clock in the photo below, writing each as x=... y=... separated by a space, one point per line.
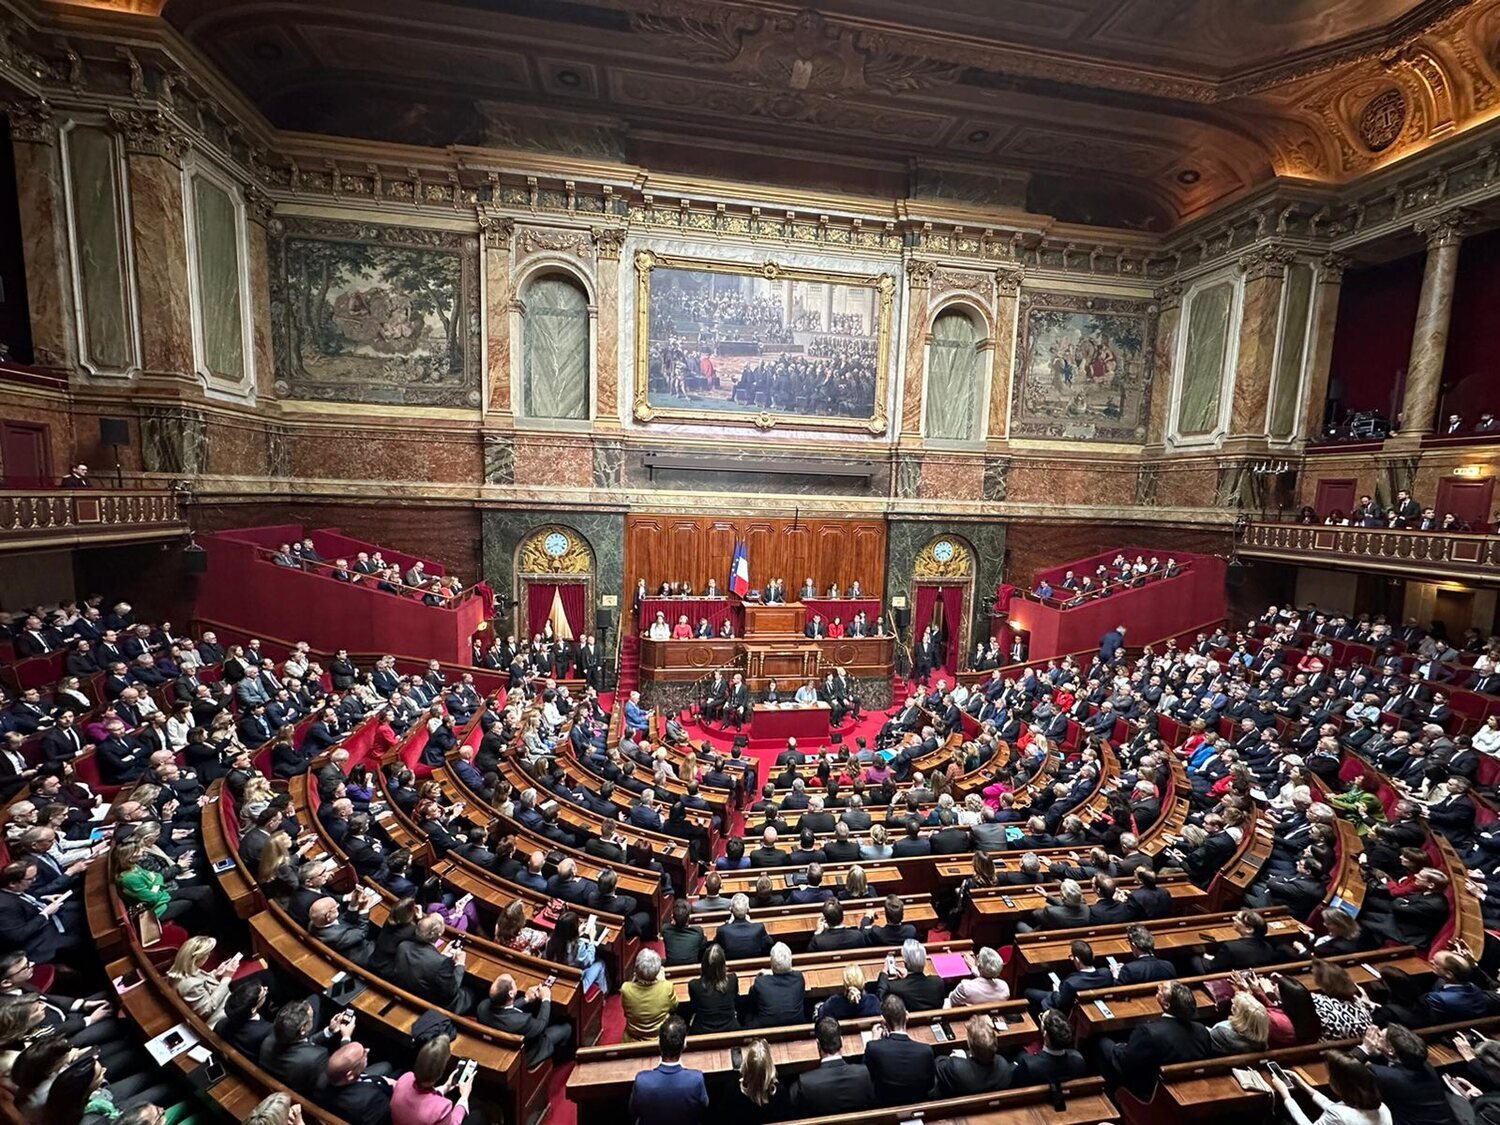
x=943 y=551
x=556 y=545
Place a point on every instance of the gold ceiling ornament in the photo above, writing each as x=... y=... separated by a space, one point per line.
x=947 y=556
x=554 y=549
x=1382 y=119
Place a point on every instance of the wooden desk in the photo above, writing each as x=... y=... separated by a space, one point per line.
x=760 y=619
x=804 y=722
x=785 y=656
x=822 y=973
x=1049 y=951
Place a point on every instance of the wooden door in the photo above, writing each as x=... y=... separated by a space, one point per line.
x=1334 y=495
x=25 y=455
x=1469 y=500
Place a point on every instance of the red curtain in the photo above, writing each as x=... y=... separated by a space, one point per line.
x=539 y=605
x=927 y=597
x=953 y=620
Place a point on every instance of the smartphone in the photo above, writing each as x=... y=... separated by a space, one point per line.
x=939 y=1033
x=1104 y=1009
x=550 y=981
x=172 y=1040
x=736 y=1057
x=1276 y=1071
x=1008 y=901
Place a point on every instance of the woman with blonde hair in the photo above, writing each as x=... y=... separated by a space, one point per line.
x=276 y=1109
x=851 y=1001
x=762 y=1097
x=1247 y=1030
x=205 y=990
x=879 y=846
x=856 y=885
x=278 y=850
x=256 y=797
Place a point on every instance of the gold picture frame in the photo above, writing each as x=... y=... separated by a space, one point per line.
x=883 y=291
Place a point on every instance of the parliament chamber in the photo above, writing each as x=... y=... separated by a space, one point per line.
x=656 y=562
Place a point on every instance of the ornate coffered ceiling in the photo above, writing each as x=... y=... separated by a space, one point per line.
x=1133 y=113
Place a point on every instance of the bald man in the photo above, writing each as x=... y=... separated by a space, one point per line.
x=344 y=932
x=354 y=1092
x=528 y=1015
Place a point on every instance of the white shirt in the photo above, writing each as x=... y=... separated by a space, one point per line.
x=660 y=631
x=1486 y=740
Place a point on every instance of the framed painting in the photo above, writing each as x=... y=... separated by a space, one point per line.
x=721 y=342
x=1084 y=367
x=367 y=313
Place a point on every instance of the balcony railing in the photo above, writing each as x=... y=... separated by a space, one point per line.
x=1428 y=554
x=86 y=518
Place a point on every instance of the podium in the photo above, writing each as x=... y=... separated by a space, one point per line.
x=761 y=620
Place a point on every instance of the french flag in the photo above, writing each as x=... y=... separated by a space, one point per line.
x=739 y=572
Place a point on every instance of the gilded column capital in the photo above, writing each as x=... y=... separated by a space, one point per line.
x=151 y=132
x=1169 y=296
x=31 y=120
x=1008 y=281
x=1332 y=267
x=609 y=242
x=919 y=273
x=497 y=230
x=1447 y=229
x=1266 y=261
x=259 y=207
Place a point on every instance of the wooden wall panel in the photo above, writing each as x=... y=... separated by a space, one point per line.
x=675 y=548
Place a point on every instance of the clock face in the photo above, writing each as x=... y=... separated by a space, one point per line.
x=556 y=545
x=943 y=551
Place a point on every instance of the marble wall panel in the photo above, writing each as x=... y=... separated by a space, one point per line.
x=375 y=456
x=97 y=216
x=217 y=254
x=1291 y=353
x=505 y=529
x=1205 y=346
x=905 y=538
x=555 y=461
x=161 y=262
x=952 y=478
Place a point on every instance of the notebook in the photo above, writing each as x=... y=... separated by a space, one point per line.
x=950 y=966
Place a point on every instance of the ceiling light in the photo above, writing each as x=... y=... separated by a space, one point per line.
x=1189 y=176
x=979 y=135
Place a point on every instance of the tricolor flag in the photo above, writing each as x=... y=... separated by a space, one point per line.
x=739 y=572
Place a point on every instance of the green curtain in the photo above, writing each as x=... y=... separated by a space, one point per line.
x=1292 y=353
x=953 y=378
x=1203 y=359
x=555 y=356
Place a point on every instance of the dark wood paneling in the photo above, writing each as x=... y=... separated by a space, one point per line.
x=695 y=549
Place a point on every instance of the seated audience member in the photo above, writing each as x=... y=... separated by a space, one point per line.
x=1356 y=1096
x=779 y=995
x=436 y=977
x=985 y=987
x=527 y=1014
x=714 y=996
x=1174 y=1037
x=683 y=942
x=1057 y=1061
x=983 y=1070
x=1409 y=1086
x=902 y=1070
x=852 y=1000
x=669 y=1092
x=835 y=1085
x=647 y=999
x=434 y=1091
x=293 y=1055
x=908 y=978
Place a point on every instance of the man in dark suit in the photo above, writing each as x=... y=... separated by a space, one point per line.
x=831 y=933
x=908 y=978
x=42 y=929
x=528 y=1015
x=1145 y=965
x=768 y=854
x=895 y=931
x=835 y=1085
x=296 y=1057
x=739 y=937
x=778 y=998
x=1249 y=950
x=347 y=933
x=1416 y=918
x=1174 y=1038
x=352 y=1093
x=913 y=843
x=1400 y=1063
x=669 y=1091
x=1110 y=644
x=1085 y=976
x=984 y=1070
x=901 y=1069
x=435 y=977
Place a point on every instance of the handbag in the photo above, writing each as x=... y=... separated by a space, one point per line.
x=148 y=926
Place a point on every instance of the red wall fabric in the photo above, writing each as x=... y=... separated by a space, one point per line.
x=539 y=605
x=1372 y=341
x=1471 y=369
x=953 y=614
x=927 y=597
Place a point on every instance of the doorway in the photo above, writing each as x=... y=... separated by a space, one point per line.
x=25 y=455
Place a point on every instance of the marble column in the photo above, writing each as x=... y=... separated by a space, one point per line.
x=1429 y=343
x=1260 y=317
x=154 y=148
x=260 y=212
x=918 y=302
x=609 y=242
x=495 y=236
x=1325 y=315
x=44 y=238
x=1003 y=356
x=1168 y=318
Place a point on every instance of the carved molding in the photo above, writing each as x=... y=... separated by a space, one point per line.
x=1445 y=230
x=574 y=557
x=609 y=242
x=151 y=132
x=1333 y=267
x=31 y=120
x=497 y=230
x=1008 y=282
x=1266 y=261
x=535 y=240
x=958 y=563
x=919 y=274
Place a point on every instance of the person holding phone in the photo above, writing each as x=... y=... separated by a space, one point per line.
x=423 y=1097
x=527 y=1014
x=1356 y=1097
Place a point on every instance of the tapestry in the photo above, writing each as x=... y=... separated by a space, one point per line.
x=765 y=344
x=1084 y=367
x=367 y=313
